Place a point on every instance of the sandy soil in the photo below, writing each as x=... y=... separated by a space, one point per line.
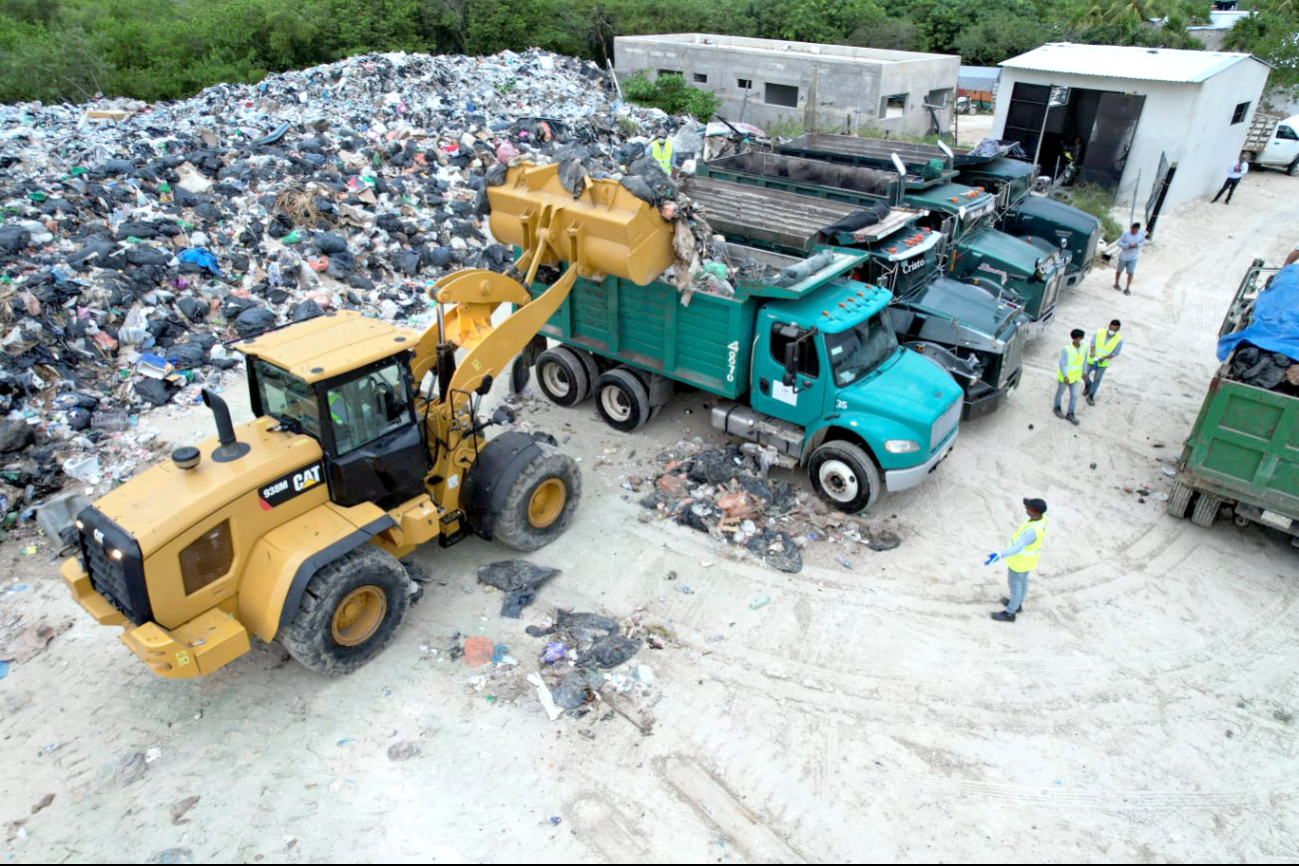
x=1142 y=710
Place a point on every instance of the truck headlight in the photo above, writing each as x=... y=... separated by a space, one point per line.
x=900 y=446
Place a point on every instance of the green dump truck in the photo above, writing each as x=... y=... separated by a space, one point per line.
x=976 y=336
x=811 y=369
x=1243 y=451
x=976 y=252
x=1075 y=232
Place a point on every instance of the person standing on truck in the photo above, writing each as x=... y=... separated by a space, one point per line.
x=1293 y=257
x=1105 y=347
x=1130 y=244
x=1020 y=557
x=1070 y=374
x=1238 y=169
x=663 y=151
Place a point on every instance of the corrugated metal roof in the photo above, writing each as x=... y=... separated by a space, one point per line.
x=1122 y=61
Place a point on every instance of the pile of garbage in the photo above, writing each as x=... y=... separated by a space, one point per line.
x=1274 y=371
x=138 y=240
x=1263 y=349
x=726 y=493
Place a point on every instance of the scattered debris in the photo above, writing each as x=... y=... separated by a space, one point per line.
x=517 y=578
x=179 y=810
x=478 y=651
x=130 y=767
x=402 y=751
x=43 y=803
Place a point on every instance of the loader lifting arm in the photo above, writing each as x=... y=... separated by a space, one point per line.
x=604 y=230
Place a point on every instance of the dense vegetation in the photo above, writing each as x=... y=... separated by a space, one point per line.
x=157 y=49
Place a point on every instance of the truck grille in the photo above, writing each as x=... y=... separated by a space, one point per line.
x=944 y=425
x=1013 y=357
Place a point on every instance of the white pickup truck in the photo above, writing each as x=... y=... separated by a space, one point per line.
x=1273 y=142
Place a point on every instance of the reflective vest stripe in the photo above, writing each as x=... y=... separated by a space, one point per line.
x=1073 y=364
x=1104 y=346
x=1026 y=559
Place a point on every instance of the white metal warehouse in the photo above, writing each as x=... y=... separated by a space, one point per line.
x=1138 y=115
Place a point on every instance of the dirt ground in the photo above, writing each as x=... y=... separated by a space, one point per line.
x=1143 y=709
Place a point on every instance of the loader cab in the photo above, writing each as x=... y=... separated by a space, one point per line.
x=337 y=385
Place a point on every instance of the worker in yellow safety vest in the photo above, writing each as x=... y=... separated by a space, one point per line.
x=1105 y=347
x=1072 y=359
x=663 y=151
x=1021 y=558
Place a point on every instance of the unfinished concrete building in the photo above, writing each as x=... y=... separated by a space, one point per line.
x=818 y=87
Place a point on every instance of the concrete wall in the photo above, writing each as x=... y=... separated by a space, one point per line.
x=839 y=88
x=1189 y=122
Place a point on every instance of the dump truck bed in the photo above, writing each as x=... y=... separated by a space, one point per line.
x=1244 y=446
x=851 y=150
x=705 y=343
x=778 y=217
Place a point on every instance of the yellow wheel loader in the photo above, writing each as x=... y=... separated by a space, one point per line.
x=367 y=443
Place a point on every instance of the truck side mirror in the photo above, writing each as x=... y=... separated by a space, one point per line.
x=791 y=362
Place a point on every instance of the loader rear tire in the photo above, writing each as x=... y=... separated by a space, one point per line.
x=561 y=375
x=541 y=501
x=350 y=612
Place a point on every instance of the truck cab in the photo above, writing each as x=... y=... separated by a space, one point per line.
x=830 y=362
x=1273 y=142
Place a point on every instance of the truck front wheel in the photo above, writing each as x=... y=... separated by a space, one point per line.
x=350 y=611
x=844 y=476
x=1293 y=170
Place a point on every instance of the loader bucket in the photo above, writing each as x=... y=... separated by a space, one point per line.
x=605 y=229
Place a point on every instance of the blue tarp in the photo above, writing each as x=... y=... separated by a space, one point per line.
x=1276 y=318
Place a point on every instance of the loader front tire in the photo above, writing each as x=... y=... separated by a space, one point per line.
x=541 y=501
x=350 y=611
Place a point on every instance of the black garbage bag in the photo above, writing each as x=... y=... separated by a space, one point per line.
x=304 y=310
x=777 y=549
x=156 y=391
x=585 y=626
x=571 y=692
x=610 y=651
x=254 y=320
x=867 y=216
x=519 y=580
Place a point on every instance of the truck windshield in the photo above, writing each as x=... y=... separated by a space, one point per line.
x=856 y=352
x=287 y=398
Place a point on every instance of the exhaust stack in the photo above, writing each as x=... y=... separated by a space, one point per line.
x=230 y=448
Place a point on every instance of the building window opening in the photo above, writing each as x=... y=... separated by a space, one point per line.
x=784 y=95
x=701 y=78
x=1241 y=111
x=744 y=83
x=893 y=106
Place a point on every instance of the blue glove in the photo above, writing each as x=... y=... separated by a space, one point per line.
x=992 y=557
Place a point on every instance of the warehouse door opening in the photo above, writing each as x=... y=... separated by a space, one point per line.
x=1094 y=127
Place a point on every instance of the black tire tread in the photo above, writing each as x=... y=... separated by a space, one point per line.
x=576 y=370
x=852 y=453
x=631 y=385
x=307 y=637
x=511 y=525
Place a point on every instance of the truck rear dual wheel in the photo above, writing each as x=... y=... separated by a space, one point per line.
x=563 y=377
x=540 y=502
x=1206 y=510
x=623 y=400
x=350 y=612
x=1179 y=500
x=845 y=476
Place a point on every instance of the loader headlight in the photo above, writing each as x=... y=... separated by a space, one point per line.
x=900 y=446
x=80 y=526
x=116 y=554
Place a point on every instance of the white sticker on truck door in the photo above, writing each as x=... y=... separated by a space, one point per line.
x=783 y=393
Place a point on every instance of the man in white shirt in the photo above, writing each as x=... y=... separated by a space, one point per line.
x=1130 y=244
x=1238 y=169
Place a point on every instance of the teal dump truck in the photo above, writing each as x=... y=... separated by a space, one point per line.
x=1036 y=218
x=976 y=336
x=811 y=369
x=976 y=252
x=1243 y=451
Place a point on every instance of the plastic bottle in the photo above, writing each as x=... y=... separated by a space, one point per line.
x=758 y=602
